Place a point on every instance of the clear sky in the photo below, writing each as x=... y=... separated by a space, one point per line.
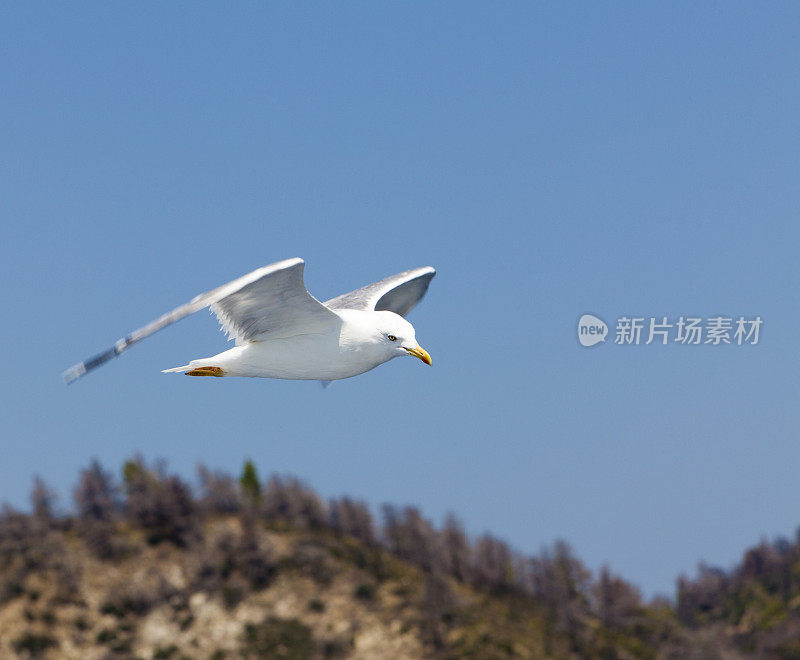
x=549 y=159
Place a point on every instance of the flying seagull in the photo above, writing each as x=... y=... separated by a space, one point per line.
x=282 y=331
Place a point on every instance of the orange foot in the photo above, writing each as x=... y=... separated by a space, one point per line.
x=206 y=371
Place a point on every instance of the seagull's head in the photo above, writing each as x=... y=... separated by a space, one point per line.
x=397 y=337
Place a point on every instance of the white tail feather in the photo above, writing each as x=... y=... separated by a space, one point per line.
x=176 y=370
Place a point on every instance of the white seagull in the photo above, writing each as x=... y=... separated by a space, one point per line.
x=282 y=331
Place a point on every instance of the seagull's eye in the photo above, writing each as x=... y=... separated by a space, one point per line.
x=391 y=337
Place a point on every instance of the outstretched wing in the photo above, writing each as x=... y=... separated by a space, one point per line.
x=269 y=302
x=274 y=304
x=398 y=293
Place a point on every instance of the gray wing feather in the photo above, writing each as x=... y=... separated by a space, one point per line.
x=275 y=304
x=270 y=301
x=398 y=293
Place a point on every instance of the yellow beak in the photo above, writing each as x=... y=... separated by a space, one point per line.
x=420 y=353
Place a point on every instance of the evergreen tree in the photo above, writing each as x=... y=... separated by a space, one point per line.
x=251 y=486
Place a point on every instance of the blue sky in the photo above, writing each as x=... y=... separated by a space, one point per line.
x=626 y=159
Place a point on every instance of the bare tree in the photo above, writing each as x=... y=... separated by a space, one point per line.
x=614 y=601
x=455 y=548
x=492 y=564
x=162 y=506
x=699 y=599
x=411 y=537
x=96 y=502
x=561 y=584
x=348 y=516
x=42 y=501
x=219 y=494
x=289 y=500
x=95 y=495
x=253 y=554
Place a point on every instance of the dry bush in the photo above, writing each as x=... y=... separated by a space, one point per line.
x=278 y=638
x=138 y=596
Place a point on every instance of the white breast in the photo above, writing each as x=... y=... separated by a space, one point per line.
x=351 y=351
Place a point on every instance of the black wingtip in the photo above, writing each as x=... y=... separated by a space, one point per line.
x=82 y=368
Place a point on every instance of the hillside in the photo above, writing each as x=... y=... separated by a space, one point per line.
x=146 y=568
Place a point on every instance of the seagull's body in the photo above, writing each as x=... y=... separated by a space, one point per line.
x=281 y=331
x=353 y=348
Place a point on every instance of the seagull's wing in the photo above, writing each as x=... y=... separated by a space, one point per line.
x=398 y=293
x=270 y=302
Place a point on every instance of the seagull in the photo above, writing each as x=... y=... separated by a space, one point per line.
x=282 y=331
